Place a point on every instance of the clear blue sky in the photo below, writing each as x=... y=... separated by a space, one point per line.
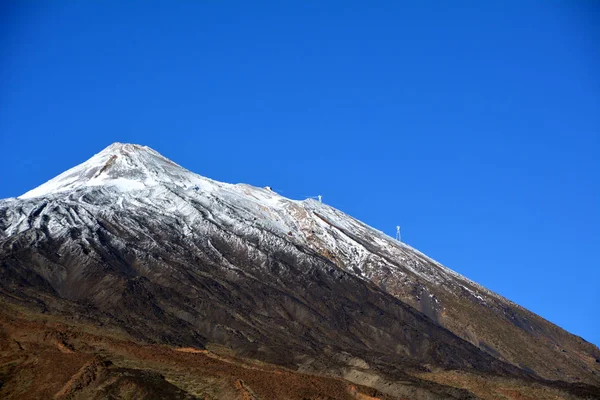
x=474 y=126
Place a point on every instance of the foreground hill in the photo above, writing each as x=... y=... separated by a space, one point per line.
x=130 y=242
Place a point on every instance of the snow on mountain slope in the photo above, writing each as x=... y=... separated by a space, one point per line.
x=142 y=176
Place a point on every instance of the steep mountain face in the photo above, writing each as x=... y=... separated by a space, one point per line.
x=132 y=241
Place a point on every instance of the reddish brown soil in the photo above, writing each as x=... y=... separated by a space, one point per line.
x=45 y=358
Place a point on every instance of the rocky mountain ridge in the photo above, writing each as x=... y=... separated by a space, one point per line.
x=131 y=240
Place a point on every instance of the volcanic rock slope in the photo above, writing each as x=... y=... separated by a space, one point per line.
x=131 y=240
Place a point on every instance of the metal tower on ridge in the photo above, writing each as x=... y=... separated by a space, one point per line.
x=398 y=237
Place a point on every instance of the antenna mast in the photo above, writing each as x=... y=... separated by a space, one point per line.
x=398 y=236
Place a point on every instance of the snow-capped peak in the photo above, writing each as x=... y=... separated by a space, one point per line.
x=145 y=179
x=122 y=165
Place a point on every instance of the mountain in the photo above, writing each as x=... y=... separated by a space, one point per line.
x=136 y=271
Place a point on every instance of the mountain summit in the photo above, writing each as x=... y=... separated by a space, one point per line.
x=131 y=244
x=125 y=166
